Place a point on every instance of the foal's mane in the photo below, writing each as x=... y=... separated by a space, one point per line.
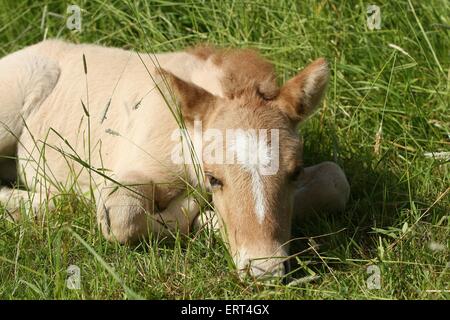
x=246 y=73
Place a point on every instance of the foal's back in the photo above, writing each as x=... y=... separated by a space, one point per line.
x=103 y=101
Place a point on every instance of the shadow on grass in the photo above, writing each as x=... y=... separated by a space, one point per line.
x=377 y=198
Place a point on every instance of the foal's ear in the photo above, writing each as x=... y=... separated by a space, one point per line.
x=301 y=95
x=195 y=102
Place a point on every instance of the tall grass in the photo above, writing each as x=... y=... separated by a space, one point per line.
x=385 y=120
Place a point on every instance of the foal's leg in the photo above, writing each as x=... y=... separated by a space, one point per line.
x=33 y=203
x=321 y=188
x=125 y=213
x=208 y=220
x=26 y=79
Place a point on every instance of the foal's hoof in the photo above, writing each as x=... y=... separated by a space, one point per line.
x=207 y=219
x=122 y=218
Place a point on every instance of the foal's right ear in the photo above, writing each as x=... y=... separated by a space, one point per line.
x=194 y=101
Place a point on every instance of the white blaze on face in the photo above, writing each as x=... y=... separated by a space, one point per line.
x=253 y=155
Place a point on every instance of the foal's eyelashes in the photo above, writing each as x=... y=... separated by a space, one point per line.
x=213 y=181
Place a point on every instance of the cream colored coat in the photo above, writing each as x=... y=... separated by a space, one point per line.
x=96 y=117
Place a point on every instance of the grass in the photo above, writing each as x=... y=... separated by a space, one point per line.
x=387 y=109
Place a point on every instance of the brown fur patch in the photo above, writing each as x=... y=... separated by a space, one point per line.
x=246 y=71
x=202 y=51
x=251 y=79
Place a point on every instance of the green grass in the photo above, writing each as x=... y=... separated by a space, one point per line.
x=383 y=112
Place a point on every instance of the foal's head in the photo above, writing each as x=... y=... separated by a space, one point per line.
x=251 y=151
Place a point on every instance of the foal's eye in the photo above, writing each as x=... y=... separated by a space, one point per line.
x=213 y=181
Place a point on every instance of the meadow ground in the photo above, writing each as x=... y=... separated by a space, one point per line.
x=385 y=120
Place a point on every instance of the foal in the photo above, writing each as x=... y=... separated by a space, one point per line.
x=107 y=119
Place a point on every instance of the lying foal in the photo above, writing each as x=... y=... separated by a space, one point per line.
x=108 y=120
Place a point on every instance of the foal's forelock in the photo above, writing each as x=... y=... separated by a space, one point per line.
x=234 y=72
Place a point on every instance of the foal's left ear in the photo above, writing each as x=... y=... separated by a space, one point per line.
x=301 y=95
x=195 y=102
